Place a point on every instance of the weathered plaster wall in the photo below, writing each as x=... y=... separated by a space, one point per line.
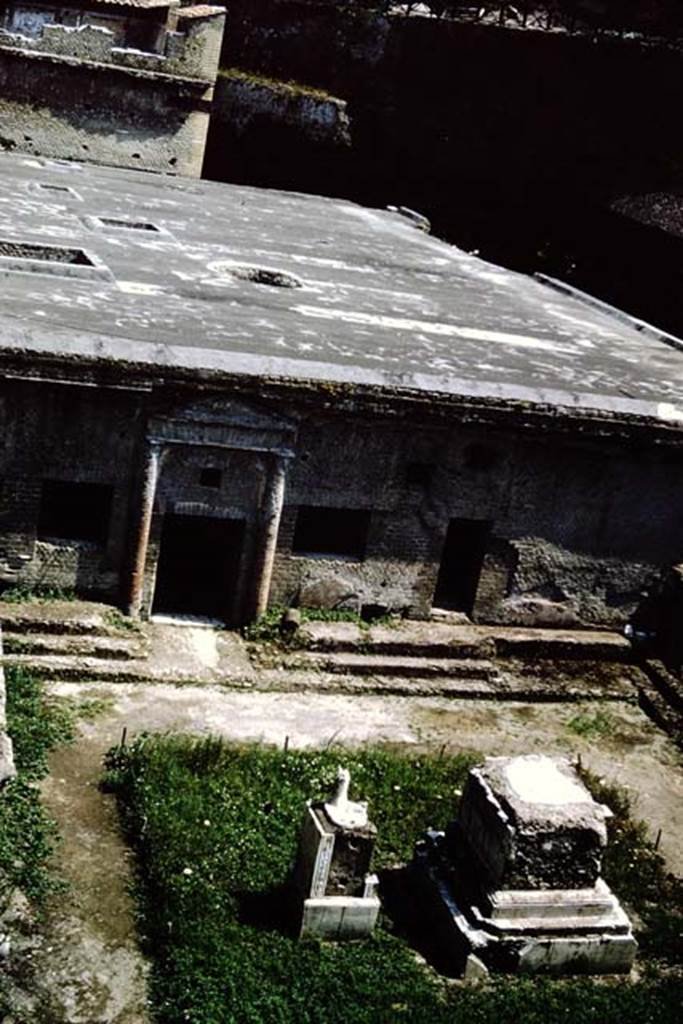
x=86 y=92
x=191 y=50
x=73 y=112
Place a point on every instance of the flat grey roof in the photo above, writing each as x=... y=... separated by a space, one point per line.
x=376 y=301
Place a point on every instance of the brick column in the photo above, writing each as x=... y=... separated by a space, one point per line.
x=143 y=522
x=270 y=513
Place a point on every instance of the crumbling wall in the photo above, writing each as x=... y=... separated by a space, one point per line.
x=105 y=115
x=242 y=100
x=579 y=532
x=83 y=92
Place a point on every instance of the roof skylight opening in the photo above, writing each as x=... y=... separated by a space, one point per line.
x=53 y=191
x=257 y=275
x=64 y=261
x=126 y=225
x=47 y=253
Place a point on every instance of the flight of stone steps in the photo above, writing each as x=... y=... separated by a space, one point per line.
x=71 y=640
x=77 y=640
x=661 y=697
x=442 y=659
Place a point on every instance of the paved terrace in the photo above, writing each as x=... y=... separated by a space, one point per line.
x=357 y=295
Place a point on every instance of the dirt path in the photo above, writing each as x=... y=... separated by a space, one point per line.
x=85 y=965
x=89 y=961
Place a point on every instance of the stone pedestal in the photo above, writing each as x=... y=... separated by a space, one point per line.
x=515 y=880
x=332 y=875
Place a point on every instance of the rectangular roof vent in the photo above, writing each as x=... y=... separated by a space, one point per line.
x=51 y=253
x=126 y=225
x=35 y=258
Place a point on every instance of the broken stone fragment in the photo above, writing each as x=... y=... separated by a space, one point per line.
x=7 y=769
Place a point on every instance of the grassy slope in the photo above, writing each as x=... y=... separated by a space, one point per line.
x=216 y=829
x=27 y=835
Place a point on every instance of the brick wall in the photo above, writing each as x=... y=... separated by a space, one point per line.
x=580 y=530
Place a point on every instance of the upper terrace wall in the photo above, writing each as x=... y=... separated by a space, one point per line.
x=65 y=111
x=74 y=93
x=189 y=49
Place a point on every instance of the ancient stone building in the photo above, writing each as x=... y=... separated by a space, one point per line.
x=215 y=397
x=124 y=82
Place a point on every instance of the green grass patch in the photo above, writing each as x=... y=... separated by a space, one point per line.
x=215 y=828
x=27 y=835
x=637 y=872
x=283 y=87
x=267 y=627
x=22 y=593
x=115 y=618
x=592 y=724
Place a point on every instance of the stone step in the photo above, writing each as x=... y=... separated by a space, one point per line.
x=668 y=685
x=445 y=640
x=50 y=666
x=73 y=618
x=583 y=645
x=660 y=711
x=397 y=666
x=613 y=923
x=503 y=688
x=509 y=904
x=73 y=646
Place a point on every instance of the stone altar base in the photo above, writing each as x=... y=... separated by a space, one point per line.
x=332 y=876
x=514 y=884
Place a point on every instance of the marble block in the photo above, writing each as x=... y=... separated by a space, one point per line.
x=531 y=823
x=332 y=874
x=514 y=883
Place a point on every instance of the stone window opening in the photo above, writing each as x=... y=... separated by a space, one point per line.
x=480 y=457
x=73 y=510
x=209 y=476
x=331 y=532
x=419 y=474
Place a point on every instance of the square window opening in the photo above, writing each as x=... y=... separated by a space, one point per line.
x=419 y=474
x=75 y=511
x=340 y=532
x=210 y=477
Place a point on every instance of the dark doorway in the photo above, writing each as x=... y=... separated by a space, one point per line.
x=198 y=566
x=461 y=562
